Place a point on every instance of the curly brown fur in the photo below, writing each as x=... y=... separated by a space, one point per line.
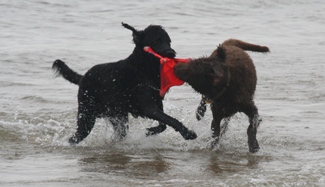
x=228 y=79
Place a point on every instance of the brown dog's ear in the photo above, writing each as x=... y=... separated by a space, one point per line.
x=221 y=53
x=135 y=33
x=218 y=73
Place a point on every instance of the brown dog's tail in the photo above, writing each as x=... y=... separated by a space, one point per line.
x=246 y=46
x=60 y=68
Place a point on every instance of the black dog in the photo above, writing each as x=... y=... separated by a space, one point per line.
x=127 y=86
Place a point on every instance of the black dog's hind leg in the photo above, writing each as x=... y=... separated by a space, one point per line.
x=251 y=111
x=160 y=128
x=86 y=121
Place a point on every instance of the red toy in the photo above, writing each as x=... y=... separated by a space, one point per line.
x=167 y=76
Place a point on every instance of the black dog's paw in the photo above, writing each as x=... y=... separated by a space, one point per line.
x=201 y=109
x=74 y=140
x=155 y=130
x=189 y=135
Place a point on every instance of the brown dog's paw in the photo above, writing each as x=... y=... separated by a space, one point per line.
x=252 y=141
x=214 y=144
x=253 y=146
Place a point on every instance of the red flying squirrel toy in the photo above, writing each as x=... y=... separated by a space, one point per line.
x=167 y=76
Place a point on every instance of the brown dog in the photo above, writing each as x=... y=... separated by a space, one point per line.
x=227 y=79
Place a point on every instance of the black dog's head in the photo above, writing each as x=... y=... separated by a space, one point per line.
x=155 y=37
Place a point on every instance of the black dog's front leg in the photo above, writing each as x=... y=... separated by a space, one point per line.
x=156 y=114
x=156 y=130
x=152 y=107
x=161 y=127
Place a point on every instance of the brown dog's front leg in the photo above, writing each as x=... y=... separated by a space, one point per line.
x=215 y=125
x=201 y=109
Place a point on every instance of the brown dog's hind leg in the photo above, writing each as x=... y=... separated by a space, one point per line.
x=254 y=121
x=251 y=132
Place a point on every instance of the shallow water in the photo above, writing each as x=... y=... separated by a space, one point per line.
x=38 y=112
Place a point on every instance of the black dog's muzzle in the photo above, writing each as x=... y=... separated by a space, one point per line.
x=170 y=53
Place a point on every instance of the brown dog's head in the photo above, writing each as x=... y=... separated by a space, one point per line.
x=203 y=74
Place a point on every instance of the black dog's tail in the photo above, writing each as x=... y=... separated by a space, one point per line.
x=246 y=46
x=60 y=68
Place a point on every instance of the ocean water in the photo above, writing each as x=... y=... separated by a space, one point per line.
x=38 y=111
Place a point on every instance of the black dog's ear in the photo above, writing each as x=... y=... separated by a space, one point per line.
x=129 y=27
x=135 y=33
